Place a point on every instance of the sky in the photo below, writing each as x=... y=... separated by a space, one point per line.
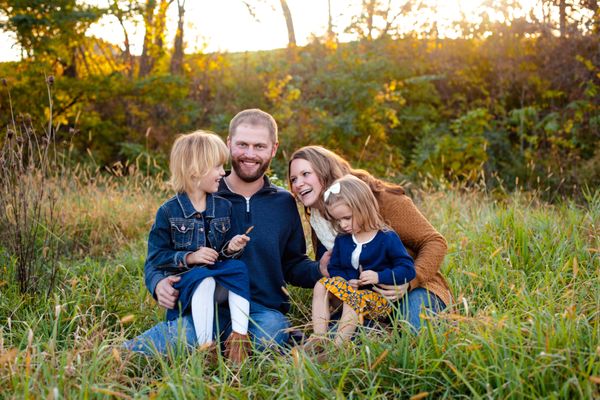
x=226 y=25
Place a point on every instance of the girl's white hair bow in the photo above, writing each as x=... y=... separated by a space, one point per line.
x=335 y=188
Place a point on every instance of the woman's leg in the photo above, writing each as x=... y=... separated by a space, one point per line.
x=347 y=324
x=320 y=309
x=416 y=302
x=203 y=310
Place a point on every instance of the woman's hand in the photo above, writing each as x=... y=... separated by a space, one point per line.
x=204 y=255
x=391 y=292
x=368 y=278
x=237 y=243
x=324 y=262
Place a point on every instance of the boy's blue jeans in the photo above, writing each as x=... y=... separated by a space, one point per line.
x=267 y=327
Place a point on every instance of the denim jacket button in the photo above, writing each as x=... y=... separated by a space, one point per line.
x=201 y=229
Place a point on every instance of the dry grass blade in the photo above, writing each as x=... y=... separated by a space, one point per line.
x=379 y=359
x=8 y=357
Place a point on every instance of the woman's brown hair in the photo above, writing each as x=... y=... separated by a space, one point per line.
x=329 y=166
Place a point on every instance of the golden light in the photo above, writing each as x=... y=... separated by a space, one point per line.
x=227 y=25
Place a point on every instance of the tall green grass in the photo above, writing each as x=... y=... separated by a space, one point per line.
x=525 y=274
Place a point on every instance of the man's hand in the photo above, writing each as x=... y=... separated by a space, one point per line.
x=204 y=255
x=391 y=292
x=324 y=262
x=237 y=243
x=166 y=294
x=368 y=278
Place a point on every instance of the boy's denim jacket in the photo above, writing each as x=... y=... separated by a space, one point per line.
x=178 y=230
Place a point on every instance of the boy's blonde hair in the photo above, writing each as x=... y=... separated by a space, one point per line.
x=357 y=195
x=193 y=155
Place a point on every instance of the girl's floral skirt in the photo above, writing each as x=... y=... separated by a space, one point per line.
x=366 y=303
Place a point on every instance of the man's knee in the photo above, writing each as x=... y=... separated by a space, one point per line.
x=269 y=327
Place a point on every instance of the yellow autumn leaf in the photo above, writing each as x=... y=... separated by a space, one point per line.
x=127 y=319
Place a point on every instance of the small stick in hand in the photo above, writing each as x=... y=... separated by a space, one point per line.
x=249 y=230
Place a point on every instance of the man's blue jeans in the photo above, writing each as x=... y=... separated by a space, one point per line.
x=267 y=327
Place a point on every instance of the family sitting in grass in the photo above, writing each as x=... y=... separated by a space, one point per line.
x=233 y=241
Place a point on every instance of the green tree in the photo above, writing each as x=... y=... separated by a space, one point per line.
x=155 y=22
x=52 y=31
x=176 y=66
x=379 y=19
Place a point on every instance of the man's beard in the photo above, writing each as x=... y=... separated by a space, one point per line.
x=264 y=166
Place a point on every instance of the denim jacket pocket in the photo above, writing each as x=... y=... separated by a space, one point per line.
x=182 y=232
x=218 y=230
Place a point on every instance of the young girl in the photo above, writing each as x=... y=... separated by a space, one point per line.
x=365 y=252
x=191 y=237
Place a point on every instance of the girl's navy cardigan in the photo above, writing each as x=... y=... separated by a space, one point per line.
x=385 y=254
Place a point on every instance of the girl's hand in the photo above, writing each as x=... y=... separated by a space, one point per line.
x=354 y=283
x=237 y=243
x=368 y=278
x=204 y=255
x=391 y=292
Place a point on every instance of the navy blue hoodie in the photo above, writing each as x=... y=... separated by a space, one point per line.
x=276 y=253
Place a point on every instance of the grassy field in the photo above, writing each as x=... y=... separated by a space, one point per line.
x=526 y=276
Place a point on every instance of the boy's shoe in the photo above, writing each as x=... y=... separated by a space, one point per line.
x=211 y=353
x=237 y=347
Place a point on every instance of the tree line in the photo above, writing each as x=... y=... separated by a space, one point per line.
x=509 y=100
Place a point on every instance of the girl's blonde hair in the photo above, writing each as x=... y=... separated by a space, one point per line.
x=193 y=155
x=328 y=166
x=357 y=195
